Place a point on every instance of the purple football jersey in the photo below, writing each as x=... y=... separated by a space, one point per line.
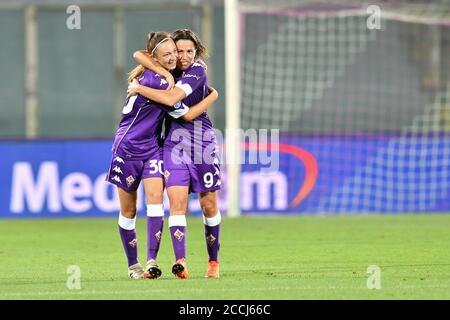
x=194 y=82
x=140 y=129
x=192 y=160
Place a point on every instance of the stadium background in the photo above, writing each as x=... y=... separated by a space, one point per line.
x=368 y=107
x=364 y=152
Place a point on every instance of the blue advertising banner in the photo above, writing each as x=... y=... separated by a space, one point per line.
x=308 y=175
x=353 y=174
x=56 y=179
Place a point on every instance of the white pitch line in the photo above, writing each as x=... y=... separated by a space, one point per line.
x=115 y=292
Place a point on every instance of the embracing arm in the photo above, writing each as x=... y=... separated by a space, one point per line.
x=143 y=58
x=200 y=107
x=166 y=97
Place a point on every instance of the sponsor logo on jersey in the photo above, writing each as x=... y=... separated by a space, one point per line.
x=199 y=64
x=118 y=159
x=188 y=75
x=116 y=179
x=117 y=169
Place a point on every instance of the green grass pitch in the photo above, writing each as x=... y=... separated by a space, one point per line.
x=323 y=257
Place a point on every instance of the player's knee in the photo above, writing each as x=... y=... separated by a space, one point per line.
x=129 y=213
x=178 y=206
x=155 y=197
x=209 y=208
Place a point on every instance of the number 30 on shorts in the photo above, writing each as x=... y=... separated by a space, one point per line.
x=156 y=166
x=208 y=179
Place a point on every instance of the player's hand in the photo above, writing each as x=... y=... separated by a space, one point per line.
x=133 y=87
x=170 y=80
x=213 y=92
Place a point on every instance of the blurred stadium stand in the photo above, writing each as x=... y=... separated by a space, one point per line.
x=81 y=74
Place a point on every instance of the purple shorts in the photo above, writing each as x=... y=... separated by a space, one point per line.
x=203 y=177
x=127 y=174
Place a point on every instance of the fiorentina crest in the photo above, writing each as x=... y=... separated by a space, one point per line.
x=178 y=235
x=130 y=180
x=133 y=243
x=210 y=239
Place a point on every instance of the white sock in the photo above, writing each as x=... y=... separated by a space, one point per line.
x=155 y=210
x=177 y=220
x=214 y=221
x=127 y=223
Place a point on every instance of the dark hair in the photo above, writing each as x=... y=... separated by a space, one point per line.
x=186 y=34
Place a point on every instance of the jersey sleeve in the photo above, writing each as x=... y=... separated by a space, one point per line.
x=192 y=79
x=153 y=80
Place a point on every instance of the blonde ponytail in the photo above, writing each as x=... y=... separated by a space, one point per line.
x=135 y=73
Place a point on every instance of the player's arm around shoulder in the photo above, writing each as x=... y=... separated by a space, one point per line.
x=165 y=97
x=143 y=58
x=203 y=105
